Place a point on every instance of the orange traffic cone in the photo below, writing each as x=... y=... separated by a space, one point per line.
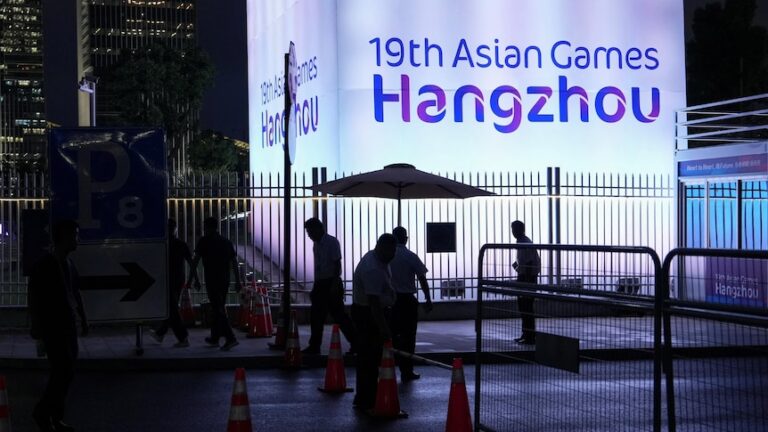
x=279 y=342
x=459 y=419
x=5 y=418
x=186 y=310
x=387 y=403
x=335 y=380
x=246 y=306
x=240 y=410
x=292 y=358
x=260 y=317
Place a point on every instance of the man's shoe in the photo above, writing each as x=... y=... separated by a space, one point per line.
x=43 y=421
x=229 y=345
x=409 y=377
x=60 y=426
x=211 y=342
x=156 y=336
x=181 y=344
x=527 y=341
x=311 y=350
x=520 y=339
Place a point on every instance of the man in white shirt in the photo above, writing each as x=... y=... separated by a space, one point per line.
x=372 y=295
x=328 y=290
x=528 y=267
x=406 y=268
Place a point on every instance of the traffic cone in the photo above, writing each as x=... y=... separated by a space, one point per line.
x=292 y=358
x=459 y=419
x=244 y=314
x=186 y=310
x=387 y=403
x=5 y=418
x=246 y=307
x=279 y=342
x=240 y=410
x=335 y=380
x=260 y=316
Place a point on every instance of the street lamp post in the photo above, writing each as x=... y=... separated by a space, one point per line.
x=88 y=85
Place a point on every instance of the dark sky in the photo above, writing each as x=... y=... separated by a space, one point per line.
x=761 y=14
x=221 y=32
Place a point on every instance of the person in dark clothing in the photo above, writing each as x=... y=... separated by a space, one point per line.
x=178 y=254
x=372 y=296
x=406 y=269
x=54 y=299
x=327 y=291
x=528 y=267
x=219 y=257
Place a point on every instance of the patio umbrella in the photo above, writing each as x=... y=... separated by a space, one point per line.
x=399 y=181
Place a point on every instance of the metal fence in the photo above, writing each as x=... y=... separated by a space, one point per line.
x=557 y=207
x=741 y=120
x=716 y=344
x=596 y=361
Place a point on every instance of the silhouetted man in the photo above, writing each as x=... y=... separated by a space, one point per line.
x=327 y=291
x=372 y=295
x=178 y=255
x=54 y=298
x=406 y=269
x=219 y=257
x=528 y=266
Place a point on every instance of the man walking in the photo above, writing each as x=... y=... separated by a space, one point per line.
x=528 y=267
x=54 y=297
x=372 y=295
x=178 y=255
x=219 y=257
x=327 y=291
x=406 y=269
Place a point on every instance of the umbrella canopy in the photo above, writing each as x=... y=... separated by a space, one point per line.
x=399 y=181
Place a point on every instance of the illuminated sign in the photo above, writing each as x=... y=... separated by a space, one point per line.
x=457 y=85
x=524 y=97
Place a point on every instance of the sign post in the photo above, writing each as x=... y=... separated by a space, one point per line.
x=113 y=182
x=289 y=154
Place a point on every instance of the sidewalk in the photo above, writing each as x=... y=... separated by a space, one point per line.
x=112 y=347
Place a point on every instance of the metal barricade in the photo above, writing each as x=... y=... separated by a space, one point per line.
x=715 y=319
x=595 y=363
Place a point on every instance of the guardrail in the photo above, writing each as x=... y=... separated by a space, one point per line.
x=718 y=341
x=577 y=342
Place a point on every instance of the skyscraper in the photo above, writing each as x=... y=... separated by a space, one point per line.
x=119 y=25
x=22 y=111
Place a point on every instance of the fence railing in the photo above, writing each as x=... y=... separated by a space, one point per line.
x=557 y=207
x=716 y=340
x=741 y=120
x=598 y=355
x=568 y=378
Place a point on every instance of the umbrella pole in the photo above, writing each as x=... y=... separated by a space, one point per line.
x=399 y=215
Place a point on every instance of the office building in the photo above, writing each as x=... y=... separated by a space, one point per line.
x=22 y=111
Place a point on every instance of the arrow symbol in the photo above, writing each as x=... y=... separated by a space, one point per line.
x=137 y=282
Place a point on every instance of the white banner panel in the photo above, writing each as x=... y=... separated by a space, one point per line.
x=483 y=85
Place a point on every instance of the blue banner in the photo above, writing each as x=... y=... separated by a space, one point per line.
x=112 y=181
x=746 y=164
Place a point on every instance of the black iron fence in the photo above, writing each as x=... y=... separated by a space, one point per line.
x=557 y=207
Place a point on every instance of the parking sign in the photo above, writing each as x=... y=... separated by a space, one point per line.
x=113 y=182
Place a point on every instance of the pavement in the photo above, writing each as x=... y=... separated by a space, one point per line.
x=114 y=347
